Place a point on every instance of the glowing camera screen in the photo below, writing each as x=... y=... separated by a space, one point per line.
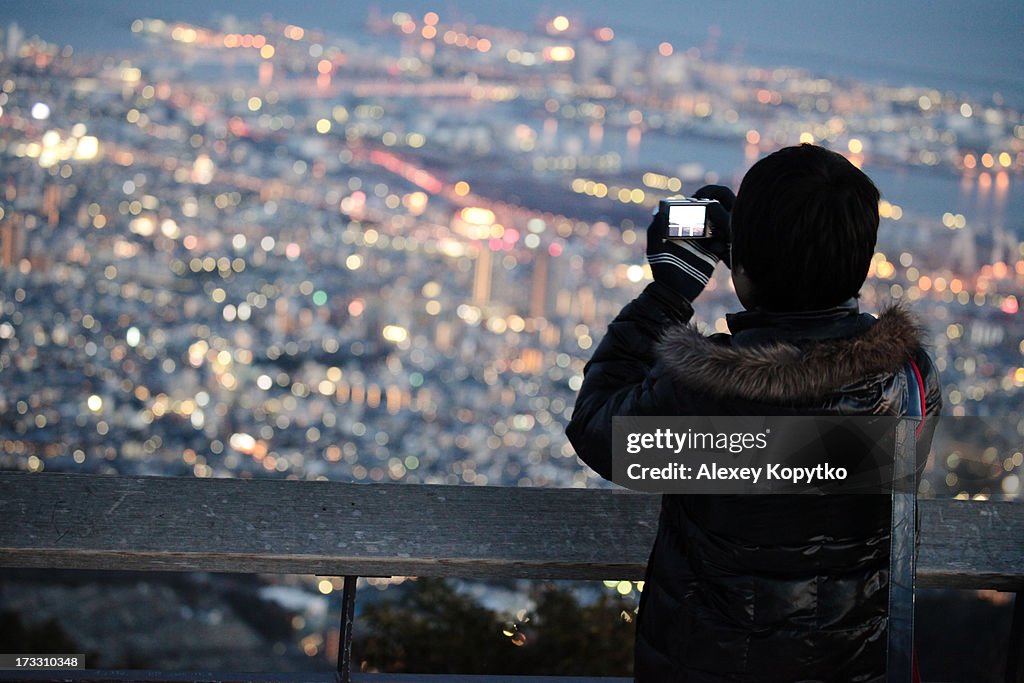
x=687 y=221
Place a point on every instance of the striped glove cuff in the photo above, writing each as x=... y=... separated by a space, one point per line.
x=686 y=267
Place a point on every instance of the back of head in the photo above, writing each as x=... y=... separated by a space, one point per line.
x=804 y=227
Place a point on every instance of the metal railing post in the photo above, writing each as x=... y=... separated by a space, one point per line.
x=1015 y=650
x=348 y=607
x=902 y=542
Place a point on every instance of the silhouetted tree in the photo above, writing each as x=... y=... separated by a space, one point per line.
x=433 y=628
x=46 y=638
x=581 y=640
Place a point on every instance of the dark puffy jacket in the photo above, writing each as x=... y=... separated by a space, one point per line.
x=758 y=588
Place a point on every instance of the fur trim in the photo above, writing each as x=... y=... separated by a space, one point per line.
x=782 y=372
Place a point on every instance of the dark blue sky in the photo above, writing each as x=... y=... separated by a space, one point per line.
x=949 y=44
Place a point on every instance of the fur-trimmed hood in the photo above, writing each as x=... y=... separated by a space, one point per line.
x=784 y=371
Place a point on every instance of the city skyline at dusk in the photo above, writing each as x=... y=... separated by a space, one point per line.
x=383 y=250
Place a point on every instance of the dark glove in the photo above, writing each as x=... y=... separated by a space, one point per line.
x=720 y=241
x=686 y=266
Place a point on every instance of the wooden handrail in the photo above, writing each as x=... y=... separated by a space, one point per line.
x=79 y=521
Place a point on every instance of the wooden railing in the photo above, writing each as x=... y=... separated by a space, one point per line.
x=74 y=521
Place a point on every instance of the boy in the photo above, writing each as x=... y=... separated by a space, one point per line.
x=764 y=588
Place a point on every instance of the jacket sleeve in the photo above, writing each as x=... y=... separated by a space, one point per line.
x=622 y=377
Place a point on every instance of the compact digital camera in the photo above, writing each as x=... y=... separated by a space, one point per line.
x=687 y=218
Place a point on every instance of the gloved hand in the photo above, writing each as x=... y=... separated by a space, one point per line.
x=685 y=266
x=720 y=241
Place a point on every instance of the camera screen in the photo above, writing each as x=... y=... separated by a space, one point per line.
x=686 y=221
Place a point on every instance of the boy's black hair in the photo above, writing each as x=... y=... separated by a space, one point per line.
x=804 y=227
